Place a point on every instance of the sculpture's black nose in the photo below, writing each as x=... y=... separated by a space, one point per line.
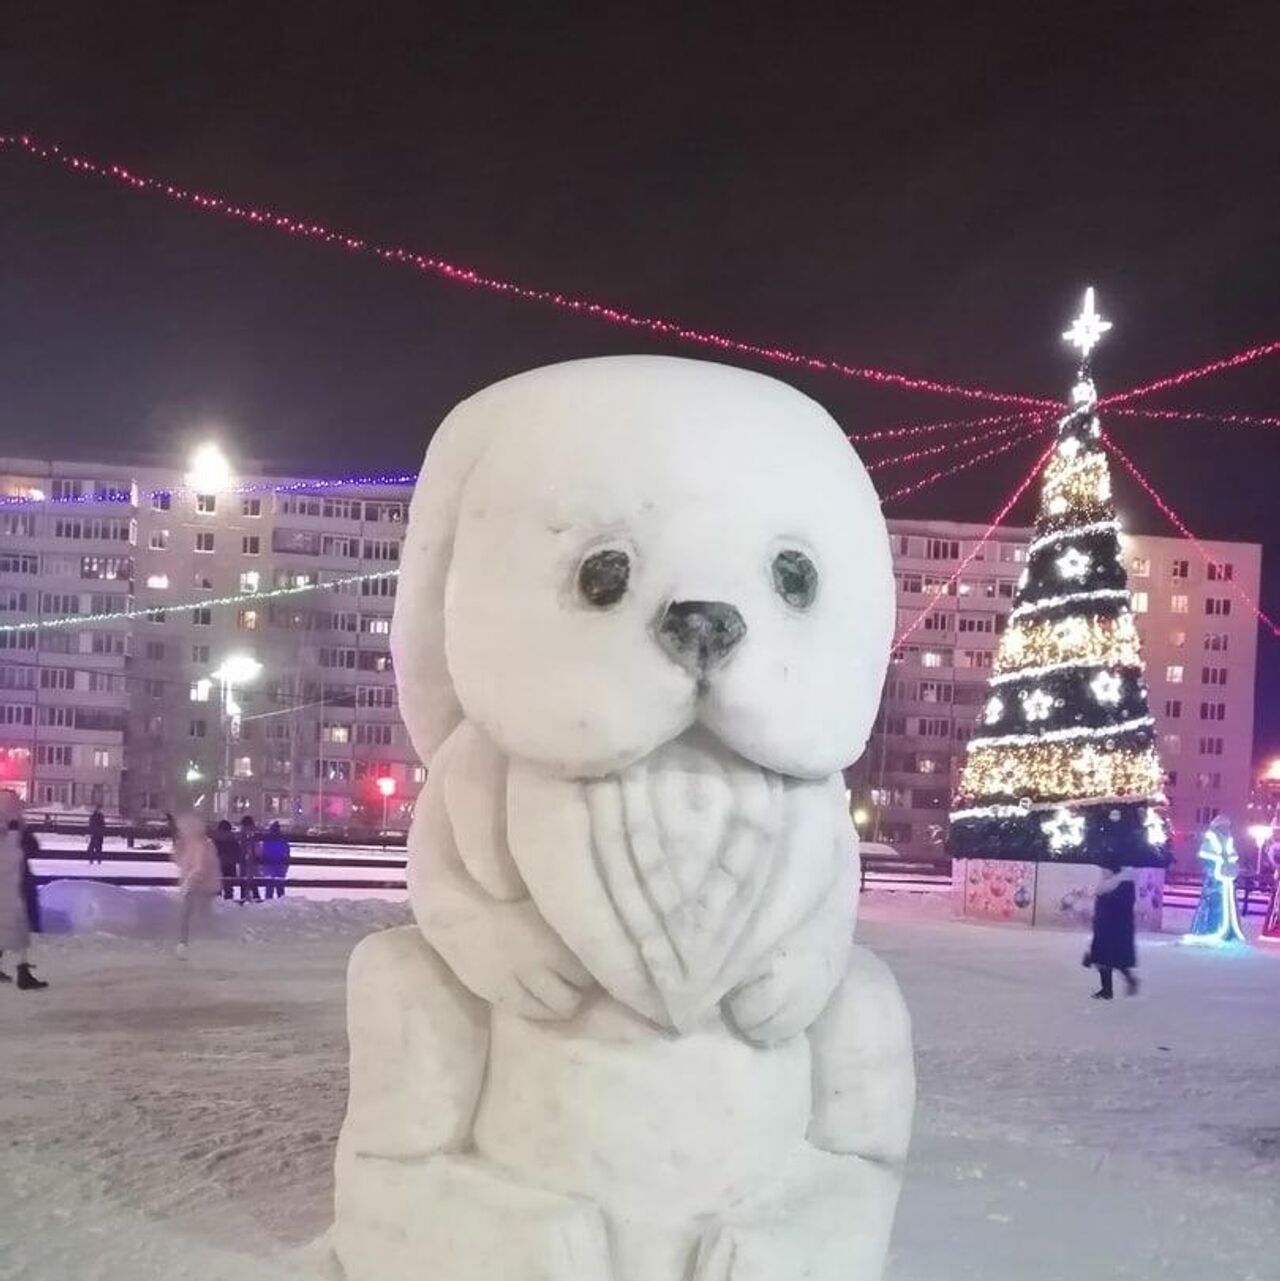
x=700 y=634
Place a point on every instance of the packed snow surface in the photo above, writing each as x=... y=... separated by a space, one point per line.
x=167 y=1119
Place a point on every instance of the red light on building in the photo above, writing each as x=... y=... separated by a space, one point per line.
x=386 y=787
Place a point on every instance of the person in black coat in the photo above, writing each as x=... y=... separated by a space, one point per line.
x=1112 y=946
x=97 y=833
x=227 y=845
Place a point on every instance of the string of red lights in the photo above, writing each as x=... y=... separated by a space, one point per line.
x=1200 y=416
x=921 y=429
x=1181 y=526
x=996 y=521
x=119 y=174
x=930 y=451
x=1245 y=357
x=943 y=473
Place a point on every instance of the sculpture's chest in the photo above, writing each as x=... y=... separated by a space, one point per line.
x=670 y=878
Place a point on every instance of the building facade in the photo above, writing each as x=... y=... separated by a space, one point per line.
x=1199 y=643
x=137 y=714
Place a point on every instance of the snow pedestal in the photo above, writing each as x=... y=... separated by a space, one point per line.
x=1044 y=894
x=644 y=614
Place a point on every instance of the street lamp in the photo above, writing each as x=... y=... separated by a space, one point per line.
x=209 y=472
x=236 y=669
x=386 y=786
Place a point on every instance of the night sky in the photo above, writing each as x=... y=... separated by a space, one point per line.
x=918 y=187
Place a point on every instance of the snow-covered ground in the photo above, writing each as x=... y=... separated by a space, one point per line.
x=164 y=1120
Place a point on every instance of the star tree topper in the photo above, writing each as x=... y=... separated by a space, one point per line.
x=1088 y=327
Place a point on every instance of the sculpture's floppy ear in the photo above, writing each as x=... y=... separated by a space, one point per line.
x=428 y=703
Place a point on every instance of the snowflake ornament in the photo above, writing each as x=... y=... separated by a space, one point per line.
x=994 y=711
x=1073 y=563
x=1037 y=705
x=1106 y=687
x=1064 y=830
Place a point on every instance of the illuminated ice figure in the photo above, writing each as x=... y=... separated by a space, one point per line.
x=1216 y=920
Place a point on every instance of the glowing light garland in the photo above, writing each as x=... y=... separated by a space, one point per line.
x=1056 y=769
x=1200 y=416
x=208 y=602
x=429 y=265
x=1180 y=525
x=1071 y=598
x=1065 y=535
x=946 y=446
x=1023 y=485
x=1246 y=357
x=1035 y=647
x=384 y=480
x=945 y=472
x=1002 y=809
x=921 y=429
x=1068 y=734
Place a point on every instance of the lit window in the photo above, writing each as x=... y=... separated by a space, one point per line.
x=101 y=758
x=1140 y=567
x=200 y=690
x=243 y=767
x=930 y=658
x=158 y=582
x=1173 y=673
x=247 y=620
x=1179 y=604
x=1138 y=602
x=249 y=580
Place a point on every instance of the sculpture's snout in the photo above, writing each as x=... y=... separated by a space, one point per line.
x=700 y=634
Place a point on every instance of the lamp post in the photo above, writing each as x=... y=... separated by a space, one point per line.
x=236 y=669
x=387 y=789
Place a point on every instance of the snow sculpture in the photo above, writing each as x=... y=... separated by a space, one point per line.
x=644 y=615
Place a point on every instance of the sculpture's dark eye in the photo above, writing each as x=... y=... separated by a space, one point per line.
x=602 y=577
x=795 y=578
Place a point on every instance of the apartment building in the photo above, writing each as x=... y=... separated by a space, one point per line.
x=1199 y=643
x=138 y=714
x=134 y=714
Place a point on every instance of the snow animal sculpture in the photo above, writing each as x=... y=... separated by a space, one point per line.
x=643 y=619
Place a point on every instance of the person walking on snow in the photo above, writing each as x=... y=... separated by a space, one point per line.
x=19 y=906
x=1112 y=946
x=97 y=832
x=199 y=875
x=275 y=861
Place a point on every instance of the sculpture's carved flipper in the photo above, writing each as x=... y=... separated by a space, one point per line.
x=863 y=1071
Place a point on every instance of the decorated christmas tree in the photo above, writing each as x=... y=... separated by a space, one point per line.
x=1063 y=764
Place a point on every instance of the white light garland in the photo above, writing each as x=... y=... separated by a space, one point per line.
x=1073 y=563
x=1066 y=735
x=207 y=602
x=1070 y=598
x=1106 y=687
x=1063 y=535
x=1049 y=668
x=1003 y=809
